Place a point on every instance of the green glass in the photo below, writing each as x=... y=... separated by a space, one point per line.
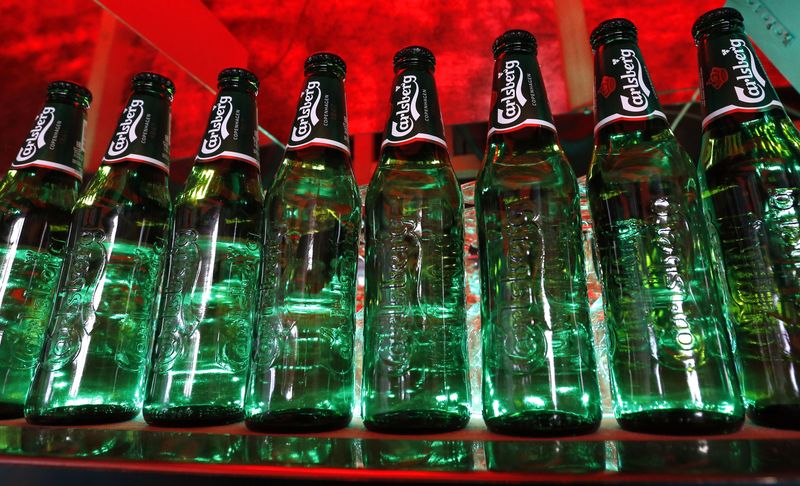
x=303 y=451
x=554 y=457
x=205 y=323
x=189 y=447
x=751 y=162
x=100 y=332
x=539 y=373
x=415 y=373
x=36 y=199
x=669 y=356
x=302 y=375
x=418 y=455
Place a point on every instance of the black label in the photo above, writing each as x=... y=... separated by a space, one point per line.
x=733 y=78
x=142 y=133
x=623 y=90
x=55 y=141
x=321 y=118
x=415 y=114
x=518 y=95
x=232 y=129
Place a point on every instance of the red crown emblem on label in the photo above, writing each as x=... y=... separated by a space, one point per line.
x=717 y=77
x=607 y=86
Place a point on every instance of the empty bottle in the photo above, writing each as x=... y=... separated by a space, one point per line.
x=101 y=329
x=205 y=323
x=539 y=373
x=751 y=160
x=669 y=356
x=302 y=374
x=415 y=374
x=36 y=199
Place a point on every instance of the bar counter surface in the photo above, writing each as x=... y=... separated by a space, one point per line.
x=754 y=454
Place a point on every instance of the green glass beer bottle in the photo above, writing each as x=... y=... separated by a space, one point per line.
x=205 y=324
x=36 y=199
x=415 y=374
x=751 y=163
x=539 y=373
x=100 y=332
x=669 y=355
x=302 y=374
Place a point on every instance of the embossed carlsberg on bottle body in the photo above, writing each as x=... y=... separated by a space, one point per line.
x=205 y=323
x=101 y=328
x=36 y=199
x=539 y=373
x=302 y=374
x=415 y=359
x=669 y=357
x=751 y=158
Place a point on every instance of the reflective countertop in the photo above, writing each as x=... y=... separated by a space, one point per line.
x=470 y=455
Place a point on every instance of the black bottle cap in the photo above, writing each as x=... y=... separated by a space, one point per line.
x=515 y=40
x=237 y=77
x=325 y=62
x=719 y=20
x=414 y=56
x=155 y=82
x=72 y=91
x=612 y=29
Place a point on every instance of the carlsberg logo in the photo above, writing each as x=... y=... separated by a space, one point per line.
x=511 y=97
x=307 y=117
x=126 y=133
x=751 y=83
x=407 y=113
x=36 y=139
x=635 y=92
x=218 y=127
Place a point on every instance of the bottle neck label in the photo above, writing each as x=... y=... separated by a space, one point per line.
x=415 y=114
x=321 y=119
x=623 y=90
x=142 y=133
x=518 y=95
x=232 y=131
x=55 y=141
x=733 y=79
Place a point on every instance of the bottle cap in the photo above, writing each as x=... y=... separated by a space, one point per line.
x=719 y=20
x=72 y=91
x=612 y=29
x=235 y=76
x=515 y=40
x=325 y=62
x=154 y=81
x=414 y=55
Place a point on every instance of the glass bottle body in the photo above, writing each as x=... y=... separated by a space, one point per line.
x=100 y=332
x=539 y=372
x=205 y=323
x=752 y=169
x=303 y=371
x=415 y=359
x=670 y=359
x=35 y=212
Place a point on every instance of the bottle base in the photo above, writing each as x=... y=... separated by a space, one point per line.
x=776 y=416
x=193 y=416
x=83 y=415
x=298 y=420
x=416 y=422
x=542 y=424
x=680 y=422
x=10 y=410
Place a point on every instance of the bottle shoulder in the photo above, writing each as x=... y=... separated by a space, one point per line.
x=22 y=191
x=655 y=158
x=127 y=185
x=222 y=184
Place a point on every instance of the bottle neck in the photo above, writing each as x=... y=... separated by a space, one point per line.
x=321 y=119
x=143 y=131
x=232 y=130
x=415 y=117
x=733 y=81
x=624 y=95
x=56 y=140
